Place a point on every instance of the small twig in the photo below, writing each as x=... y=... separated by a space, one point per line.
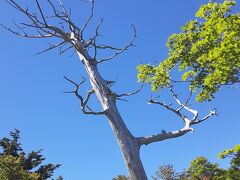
x=120 y=51
x=25 y=35
x=121 y=99
x=186 y=103
x=71 y=81
x=132 y=93
x=89 y=18
x=92 y=40
x=65 y=50
x=213 y=112
x=51 y=47
x=41 y=12
x=151 y=101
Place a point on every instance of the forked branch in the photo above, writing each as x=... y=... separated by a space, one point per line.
x=118 y=50
x=131 y=93
x=39 y=23
x=38 y=26
x=188 y=122
x=89 y=18
x=184 y=105
x=83 y=101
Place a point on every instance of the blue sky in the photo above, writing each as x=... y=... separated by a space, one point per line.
x=32 y=99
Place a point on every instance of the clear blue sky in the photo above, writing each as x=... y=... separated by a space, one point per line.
x=32 y=101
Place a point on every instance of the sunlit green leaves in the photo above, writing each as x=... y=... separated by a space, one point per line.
x=234 y=153
x=201 y=168
x=207 y=51
x=158 y=77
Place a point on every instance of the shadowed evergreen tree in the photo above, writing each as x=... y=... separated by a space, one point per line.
x=15 y=164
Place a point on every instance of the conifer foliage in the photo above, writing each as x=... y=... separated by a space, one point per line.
x=16 y=164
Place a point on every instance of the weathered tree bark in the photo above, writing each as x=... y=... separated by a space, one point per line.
x=128 y=143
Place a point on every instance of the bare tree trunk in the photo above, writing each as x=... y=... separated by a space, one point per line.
x=128 y=143
x=70 y=34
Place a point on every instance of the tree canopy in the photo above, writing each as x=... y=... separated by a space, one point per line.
x=234 y=153
x=16 y=164
x=207 y=51
x=202 y=169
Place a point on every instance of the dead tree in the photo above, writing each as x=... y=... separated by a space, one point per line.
x=72 y=35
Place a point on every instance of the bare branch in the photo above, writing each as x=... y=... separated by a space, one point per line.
x=92 y=40
x=151 y=101
x=187 y=122
x=89 y=93
x=120 y=51
x=62 y=51
x=95 y=50
x=39 y=24
x=64 y=10
x=41 y=12
x=89 y=19
x=51 y=47
x=132 y=93
x=121 y=99
x=213 y=112
x=26 y=35
x=67 y=19
x=180 y=81
x=145 y=140
x=194 y=112
x=101 y=46
x=162 y=136
x=85 y=105
x=31 y=16
x=83 y=102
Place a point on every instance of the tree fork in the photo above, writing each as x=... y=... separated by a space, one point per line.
x=128 y=143
x=72 y=35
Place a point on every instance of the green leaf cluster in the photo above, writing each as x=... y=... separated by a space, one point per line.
x=201 y=168
x=234 y=154
x=207 y=51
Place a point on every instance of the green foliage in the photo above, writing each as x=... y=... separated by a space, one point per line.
x=15 y=164
x=234 y=154
x=201 y=169
x=11 y=169
x=207 y=51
